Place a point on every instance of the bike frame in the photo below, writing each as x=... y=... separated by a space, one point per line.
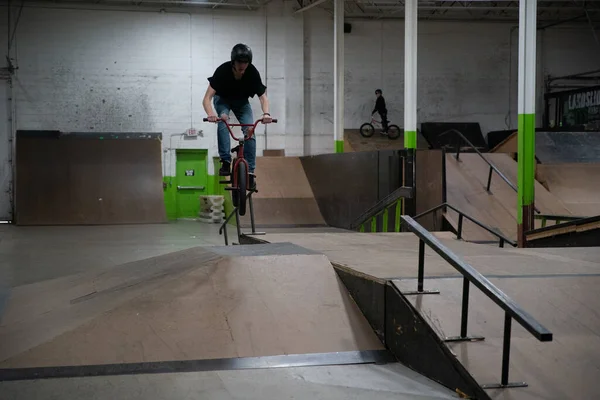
x=375 y=122
x=240 y=151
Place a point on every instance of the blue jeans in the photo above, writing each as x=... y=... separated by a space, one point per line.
x=243 y=112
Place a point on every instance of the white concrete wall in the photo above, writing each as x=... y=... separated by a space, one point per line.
x=467 y=71
x=91 y=70
x=117 y=71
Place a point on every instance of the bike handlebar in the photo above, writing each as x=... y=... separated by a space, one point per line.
x=274 y=120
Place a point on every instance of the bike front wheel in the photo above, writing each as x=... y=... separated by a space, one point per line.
x=393 y=132
x=367 y=129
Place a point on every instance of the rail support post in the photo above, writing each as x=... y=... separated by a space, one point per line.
x=504 y=383
x=421 y=277
x=464 y=319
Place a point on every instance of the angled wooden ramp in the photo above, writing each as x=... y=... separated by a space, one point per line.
x=285 y=197
x=195 y=304
x=466 y=190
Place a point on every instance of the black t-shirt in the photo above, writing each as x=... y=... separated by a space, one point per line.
x=230 y=88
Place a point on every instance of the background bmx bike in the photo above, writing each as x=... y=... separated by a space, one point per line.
x=240 y=174
x=367 y=129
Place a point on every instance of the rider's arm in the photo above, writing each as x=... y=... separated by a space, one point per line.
x=210 y=92
x=264 y=103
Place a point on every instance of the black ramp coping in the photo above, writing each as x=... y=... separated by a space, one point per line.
x=433 y=133
x=567 y=147
x=215 y=364
x=266 y=249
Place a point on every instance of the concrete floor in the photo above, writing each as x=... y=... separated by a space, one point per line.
x=33 y=254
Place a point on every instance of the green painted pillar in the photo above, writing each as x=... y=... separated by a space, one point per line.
x=410 y=74
x=338 y=75
x=526 y=107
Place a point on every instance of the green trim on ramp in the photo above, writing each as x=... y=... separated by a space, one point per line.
x=339 y=146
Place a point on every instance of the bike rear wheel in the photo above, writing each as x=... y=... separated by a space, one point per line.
x=242 y=184
x=367 y=129
x=393 y=132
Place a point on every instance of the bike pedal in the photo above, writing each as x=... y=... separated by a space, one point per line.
x=231 y=188
x=225 y=182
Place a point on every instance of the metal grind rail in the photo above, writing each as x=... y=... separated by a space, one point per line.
x=502 y=239
x=471 y=275
x=493 y=168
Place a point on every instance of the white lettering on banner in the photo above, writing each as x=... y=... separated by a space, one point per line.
x=585 y=99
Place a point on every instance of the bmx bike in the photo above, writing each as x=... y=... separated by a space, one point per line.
x=240 y=174
x=367 y=129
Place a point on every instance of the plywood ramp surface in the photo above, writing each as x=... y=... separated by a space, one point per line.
x=390 y=255
x=284 y=194
x=566 y=368
x=466 y=190
x=225 y=307
x=577 y=185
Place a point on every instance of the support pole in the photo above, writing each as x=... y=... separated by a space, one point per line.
x=410 y=101
x=526 y=135
x=410 y=74
x=338 y=75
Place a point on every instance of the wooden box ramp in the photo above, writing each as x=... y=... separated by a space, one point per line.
x=284 y=197
x=185 y=308
x=88 y=178
x=584 y=232
x=565 y=368
x=406 y=333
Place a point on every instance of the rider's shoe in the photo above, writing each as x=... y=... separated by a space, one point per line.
x=225 y=168
x=251 y=181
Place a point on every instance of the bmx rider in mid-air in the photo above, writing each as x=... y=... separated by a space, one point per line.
x=382 y=109
x=231 y=85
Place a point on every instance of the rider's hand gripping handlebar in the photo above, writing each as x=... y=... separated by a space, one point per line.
x=250 y=131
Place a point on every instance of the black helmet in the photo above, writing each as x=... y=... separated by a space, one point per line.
x=241 y=52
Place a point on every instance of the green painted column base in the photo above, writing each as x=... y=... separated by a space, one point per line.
x=526 y=164
x=410 y=139
x=339 y=146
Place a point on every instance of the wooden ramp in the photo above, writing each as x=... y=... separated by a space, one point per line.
x=194 y=304
x=575 y=184
x=556 y=286
x=88 y=178
x=284 y=196
x=466 y=190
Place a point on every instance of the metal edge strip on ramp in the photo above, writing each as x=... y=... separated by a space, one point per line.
x=219 y=364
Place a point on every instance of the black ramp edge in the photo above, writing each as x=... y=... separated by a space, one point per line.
x=369 y=295
x=220 y=364
x=416 y=345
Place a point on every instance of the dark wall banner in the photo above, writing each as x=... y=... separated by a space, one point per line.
x=574 y=109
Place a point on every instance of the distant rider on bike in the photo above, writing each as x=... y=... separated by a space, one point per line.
x=380 y=107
